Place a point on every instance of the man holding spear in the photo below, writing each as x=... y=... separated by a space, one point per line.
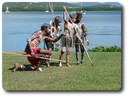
x=67 y=40
x=82 y=31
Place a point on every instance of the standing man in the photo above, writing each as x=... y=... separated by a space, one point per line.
x=33 y=49
x=55 y=32
x=67 y=40
x=82 y=31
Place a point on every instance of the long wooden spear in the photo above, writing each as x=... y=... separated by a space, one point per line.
x=28 y=55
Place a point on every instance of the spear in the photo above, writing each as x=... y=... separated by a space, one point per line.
x=28 y=55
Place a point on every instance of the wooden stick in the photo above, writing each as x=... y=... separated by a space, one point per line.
x=28 y=55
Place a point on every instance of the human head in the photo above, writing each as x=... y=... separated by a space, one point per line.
x=58 y=20
x=79 y=16
x=46 y=27
x=73 y=16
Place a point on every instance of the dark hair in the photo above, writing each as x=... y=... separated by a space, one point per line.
x=79 y=14
x=58 y=19
x=45 y=25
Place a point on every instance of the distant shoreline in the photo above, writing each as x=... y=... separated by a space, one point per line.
x=54 y=11
x=57 y=6
x=117 y=9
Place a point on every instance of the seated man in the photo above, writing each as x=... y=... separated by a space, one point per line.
x=33 y=50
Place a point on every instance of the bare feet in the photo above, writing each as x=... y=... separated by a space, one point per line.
x=67 y=64
x=47 y=63
x=39 y=69
x=60 y=64
x=16 y=67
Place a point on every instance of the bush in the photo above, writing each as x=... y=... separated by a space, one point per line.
x=105 y=49
x=56 y=49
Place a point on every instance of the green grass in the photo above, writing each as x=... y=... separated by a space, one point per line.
x=104 y=75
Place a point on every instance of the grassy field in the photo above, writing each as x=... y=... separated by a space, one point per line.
x=104 y=75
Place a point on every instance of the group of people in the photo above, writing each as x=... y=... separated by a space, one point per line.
x=74 y=35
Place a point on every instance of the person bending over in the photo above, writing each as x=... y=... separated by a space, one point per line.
x=34 y=51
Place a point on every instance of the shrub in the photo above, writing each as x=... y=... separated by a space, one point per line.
x=105 y=49
x=56 y=49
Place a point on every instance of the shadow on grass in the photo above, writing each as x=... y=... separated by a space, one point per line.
x=28 y=66
x=57 y=64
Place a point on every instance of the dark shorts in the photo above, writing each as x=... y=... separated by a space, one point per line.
x=49 y=45
x=78 y=46
x=66 y=41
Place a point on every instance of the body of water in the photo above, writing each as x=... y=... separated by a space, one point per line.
x=104 y=27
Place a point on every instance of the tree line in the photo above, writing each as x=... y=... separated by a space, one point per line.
x=57 y=6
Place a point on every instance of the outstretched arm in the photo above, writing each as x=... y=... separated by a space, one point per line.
x=54 y=39
x=64 y=14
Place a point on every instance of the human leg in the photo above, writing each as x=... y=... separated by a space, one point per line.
x=68 y=56
x=82 y=54
x=68 y=49
x=39 y=53
x=47 y=54
x=63 y=45
x=77 y=53
x=60 y=58
x=22 y=67
x=17 y=67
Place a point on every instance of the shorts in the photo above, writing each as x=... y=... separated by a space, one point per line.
x=49 y=45
x=78 y=46
x=34 y=61
x=66 y=41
